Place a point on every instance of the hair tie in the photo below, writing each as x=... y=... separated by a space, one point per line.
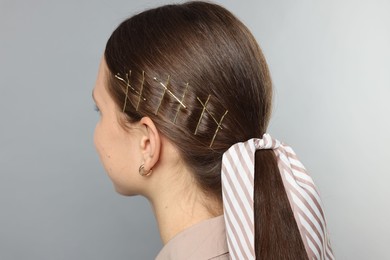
x=237 y=175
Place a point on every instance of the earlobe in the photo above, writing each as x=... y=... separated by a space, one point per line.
x=150 y=144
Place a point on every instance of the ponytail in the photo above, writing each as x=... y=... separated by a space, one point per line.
x=276 y=231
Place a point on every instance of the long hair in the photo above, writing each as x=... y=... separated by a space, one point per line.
x=199 y=74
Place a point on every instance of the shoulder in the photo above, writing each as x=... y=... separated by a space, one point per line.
x=203 y=241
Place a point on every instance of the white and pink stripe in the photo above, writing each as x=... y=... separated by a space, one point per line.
x=237 y=176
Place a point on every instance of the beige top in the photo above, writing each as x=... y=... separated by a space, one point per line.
x=204 y=240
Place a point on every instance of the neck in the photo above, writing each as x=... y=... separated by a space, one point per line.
x=176 y=210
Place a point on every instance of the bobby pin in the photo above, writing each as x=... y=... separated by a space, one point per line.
x=201 y=115
x=218 y=127
x=180 y=104
x=140 y=92
x=205 y=108
x=128 y=85
x=169 y=92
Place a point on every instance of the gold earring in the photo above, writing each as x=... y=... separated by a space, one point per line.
x=142 y=172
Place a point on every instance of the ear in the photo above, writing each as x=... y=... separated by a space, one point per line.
x=150 y=143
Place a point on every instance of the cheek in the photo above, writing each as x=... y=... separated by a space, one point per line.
x=100 y=141
x=96 y=138
x=108 y=148
x=118 y=157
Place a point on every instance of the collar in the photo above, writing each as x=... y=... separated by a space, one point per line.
x=204 y=240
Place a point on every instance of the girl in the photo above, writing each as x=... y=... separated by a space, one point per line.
x=185 y=99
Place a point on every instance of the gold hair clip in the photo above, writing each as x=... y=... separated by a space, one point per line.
x=169 y=92
x=140 y=92
x=180 y=101
x=218 y=127
x=128 y=85
x=201 y=115
x=215 y=120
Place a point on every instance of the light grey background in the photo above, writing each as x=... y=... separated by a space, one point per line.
x=330 y=62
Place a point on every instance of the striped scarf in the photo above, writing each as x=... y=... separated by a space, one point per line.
x=237 y=190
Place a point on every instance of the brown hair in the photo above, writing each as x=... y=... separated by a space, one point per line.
x=203 y=46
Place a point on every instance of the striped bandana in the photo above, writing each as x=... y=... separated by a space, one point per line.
x=237 y=190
